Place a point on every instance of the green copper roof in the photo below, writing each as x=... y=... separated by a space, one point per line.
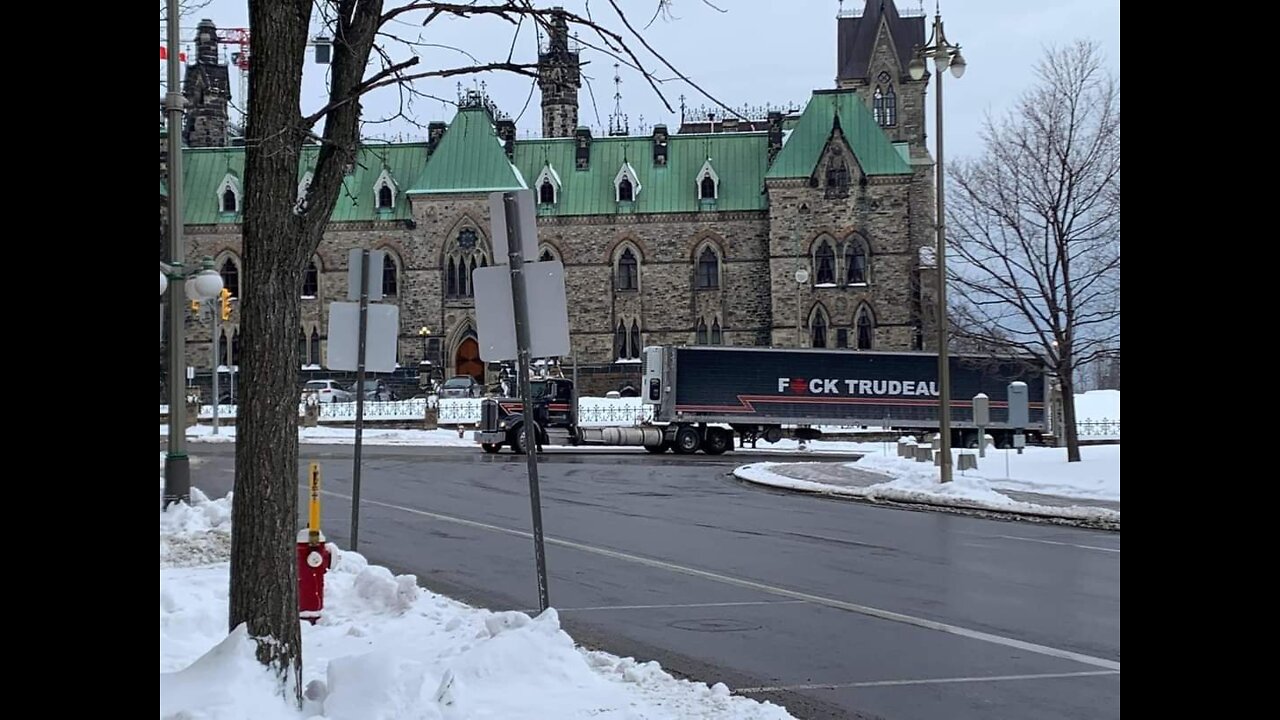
x=204 y=169
x=737 y=158
x=469 y=158
x=876 y=154
x=164 y=191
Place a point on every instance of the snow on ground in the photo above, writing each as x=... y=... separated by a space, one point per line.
x=1038 y=469
x=387 y=649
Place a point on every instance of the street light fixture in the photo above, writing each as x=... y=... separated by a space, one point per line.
x=424 y=332
x=944 y=55
x=204 y=284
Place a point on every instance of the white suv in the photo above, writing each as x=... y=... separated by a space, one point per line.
x=326 y=391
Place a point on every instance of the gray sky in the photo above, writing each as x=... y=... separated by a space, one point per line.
x=756 y=52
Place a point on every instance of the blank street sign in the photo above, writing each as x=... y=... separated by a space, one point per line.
x=528 y=226
x=548 y=313
x=344 y=337
x=375 y=274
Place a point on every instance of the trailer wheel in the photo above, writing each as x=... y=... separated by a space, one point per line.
x=491 y=448
x=687 y=441
x=657 y=449
x=718 y=441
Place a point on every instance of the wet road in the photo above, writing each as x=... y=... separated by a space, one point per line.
x=832 y=608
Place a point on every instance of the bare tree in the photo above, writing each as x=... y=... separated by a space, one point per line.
x=280 y=237
x=1036 y=225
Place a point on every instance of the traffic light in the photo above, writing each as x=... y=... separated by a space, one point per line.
x=225 y=297
x=195 y=307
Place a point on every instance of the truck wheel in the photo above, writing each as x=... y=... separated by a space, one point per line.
x=718 y=441
x=520 y=444
x=687 y=441
x=657 y=449
x=491 y=447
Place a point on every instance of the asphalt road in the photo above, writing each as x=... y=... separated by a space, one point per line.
x=831 y=608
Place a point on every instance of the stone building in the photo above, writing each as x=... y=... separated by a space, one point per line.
x=691 y=237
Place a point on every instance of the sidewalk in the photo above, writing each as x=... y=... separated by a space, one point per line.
x=895 y=480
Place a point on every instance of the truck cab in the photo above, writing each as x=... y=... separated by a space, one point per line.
x=502 y=420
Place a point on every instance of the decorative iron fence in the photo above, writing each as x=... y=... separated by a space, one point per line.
x=1097 y=428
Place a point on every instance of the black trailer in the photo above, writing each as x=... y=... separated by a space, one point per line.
x=697 y=391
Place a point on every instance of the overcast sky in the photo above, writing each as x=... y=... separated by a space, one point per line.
x=754 y=53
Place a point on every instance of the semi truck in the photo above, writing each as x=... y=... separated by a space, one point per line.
x=703 y=398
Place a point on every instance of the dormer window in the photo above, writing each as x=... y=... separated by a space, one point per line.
x=304 y=186
x=548 y=185
x=708 y=182
x=229 y=195
x=626 y=185
x=384 y=191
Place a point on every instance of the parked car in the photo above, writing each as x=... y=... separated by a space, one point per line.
x=461 y=386
x=326 y=391
x=376 y=390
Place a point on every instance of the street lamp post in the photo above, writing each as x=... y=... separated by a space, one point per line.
x=202 y=285
x=944 y=55
x=802 y=277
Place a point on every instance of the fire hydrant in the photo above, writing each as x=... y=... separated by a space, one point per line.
x=313 y=557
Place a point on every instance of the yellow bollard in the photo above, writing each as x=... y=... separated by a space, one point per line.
x=313 y=523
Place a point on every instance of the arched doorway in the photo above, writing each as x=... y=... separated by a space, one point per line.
x=467 y=360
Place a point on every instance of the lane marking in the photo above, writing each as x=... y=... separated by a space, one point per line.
x=765 y=588
x=1054 y=542
x=682 y=605
x=933 y=681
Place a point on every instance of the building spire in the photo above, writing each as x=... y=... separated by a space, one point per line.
x=617 y=121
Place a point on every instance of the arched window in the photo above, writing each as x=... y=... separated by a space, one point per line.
x=865 y=326
x=230 y=276
x=620 y=341
x=315 y=346
x=311 y=281
x=818 y=328
x=635 y=339
x=546 y=192
x=386 y=197
x=716 y=336
x=625 y=191
x=877 y=106
x=235 y=347
x=628 y=272
x=707 y=188
x=390 y=276
x=228 y=200
x=222 y=348
x=701 y=334
x=302 y=348
x=464 y=256
x=708 y=275
x=824 y=264
x=855 y=261
x=546 y=255
x=891 y=107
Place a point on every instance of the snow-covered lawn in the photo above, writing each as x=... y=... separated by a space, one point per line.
x=1037 y=470
x=386 y=649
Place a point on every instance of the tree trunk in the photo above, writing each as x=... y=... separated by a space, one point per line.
x=1067 y=382
x=265 y=508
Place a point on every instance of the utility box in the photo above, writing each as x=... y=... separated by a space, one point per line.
x=1018 y=404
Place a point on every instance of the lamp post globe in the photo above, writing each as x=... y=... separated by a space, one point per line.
x=207 y=284
x=164 y=283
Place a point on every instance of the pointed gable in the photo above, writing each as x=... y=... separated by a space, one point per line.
x=469 y=158
x=805 y=145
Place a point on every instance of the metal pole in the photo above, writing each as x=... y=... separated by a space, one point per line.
x=521 y=302
x=213 y=318
x=177 y=466
x=355 y=469
x=944 y=361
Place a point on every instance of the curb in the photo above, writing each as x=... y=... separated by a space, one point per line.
x=956 y=506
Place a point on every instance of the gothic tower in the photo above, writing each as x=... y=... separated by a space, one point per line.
x=559 y=78
x=207 y=88
x=874 y=46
